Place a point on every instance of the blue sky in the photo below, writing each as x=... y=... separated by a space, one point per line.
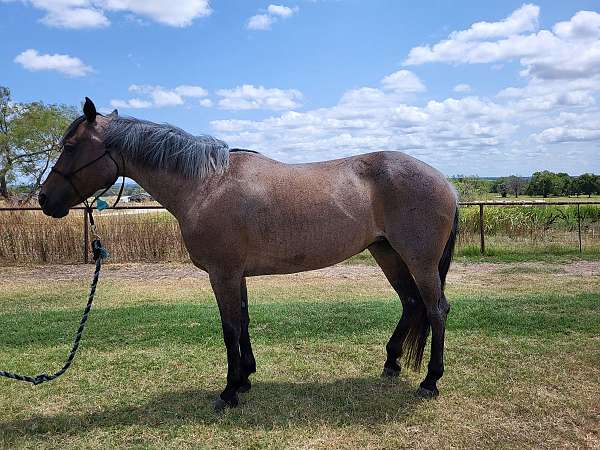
x=471 y=87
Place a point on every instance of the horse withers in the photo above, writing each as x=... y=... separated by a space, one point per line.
x=242 y=214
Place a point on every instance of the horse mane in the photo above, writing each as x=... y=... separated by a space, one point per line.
x=165 y=146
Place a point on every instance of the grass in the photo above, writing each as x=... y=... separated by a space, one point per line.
x=522 y=361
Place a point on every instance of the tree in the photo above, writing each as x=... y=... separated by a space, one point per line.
x=544 y=183
x=30 y=136
x=516 y=185
x=499 y=187
x=587 y=183
x=564 y=183
x=471 y=187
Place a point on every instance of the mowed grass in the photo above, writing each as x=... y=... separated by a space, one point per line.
x=522 y=361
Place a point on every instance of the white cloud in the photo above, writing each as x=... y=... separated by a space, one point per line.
x=493 y=136
x=462 y=88
x=260 y=22
x=368 y=119
x=206 y=102
x=180 y=13
x=92 y=13
x=566 y=134
x=158 y=96
x=191 y=91
x=258 y=97
x=570 y=50
x=263 y=22
x=281 y=11
x=69 y=65
x=521 y=20
x=403 y=81
x=583 y=25
x=75 y=18
x=134 y=103
x=548 y=122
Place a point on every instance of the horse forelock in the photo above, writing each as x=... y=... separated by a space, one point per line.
x=165 y=146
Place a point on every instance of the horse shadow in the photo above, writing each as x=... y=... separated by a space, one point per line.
x=269 y=404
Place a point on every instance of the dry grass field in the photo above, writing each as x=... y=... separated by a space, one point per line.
x=512 y=233
x=522 y=362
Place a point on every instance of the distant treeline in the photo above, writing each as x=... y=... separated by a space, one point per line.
x=544 y=184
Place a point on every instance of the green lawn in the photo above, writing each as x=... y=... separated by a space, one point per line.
x=522 y=361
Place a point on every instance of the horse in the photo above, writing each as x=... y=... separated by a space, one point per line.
x=242 y=214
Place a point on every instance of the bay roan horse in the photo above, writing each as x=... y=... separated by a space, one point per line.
x=242 y=214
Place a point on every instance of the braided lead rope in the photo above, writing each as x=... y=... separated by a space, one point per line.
x=100 y=254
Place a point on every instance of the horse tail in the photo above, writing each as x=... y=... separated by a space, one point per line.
x=418 y=322
x=416 y=337
x=444 y=264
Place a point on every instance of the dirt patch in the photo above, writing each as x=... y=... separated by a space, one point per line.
x=460 y=272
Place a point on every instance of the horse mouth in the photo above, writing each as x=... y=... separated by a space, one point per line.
x=56 y=213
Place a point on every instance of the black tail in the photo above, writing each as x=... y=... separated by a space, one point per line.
x=418 y=326
x=444 y=263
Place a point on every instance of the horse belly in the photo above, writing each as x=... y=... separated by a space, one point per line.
x=313 y=238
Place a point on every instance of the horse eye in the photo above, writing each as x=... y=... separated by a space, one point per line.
x=69 y=148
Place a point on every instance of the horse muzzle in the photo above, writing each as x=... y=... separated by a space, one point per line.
x=50 y=208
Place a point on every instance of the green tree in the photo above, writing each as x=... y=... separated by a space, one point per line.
x=471 y=187
x=498 y=186
x=516 y=185
x=564 y=183
x=30 y=136
x=587 y=183
x=544 y=183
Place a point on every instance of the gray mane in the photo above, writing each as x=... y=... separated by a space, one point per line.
x=167 y=147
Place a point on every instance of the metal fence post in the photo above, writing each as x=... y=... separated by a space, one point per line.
x=86 y=237
x=481 y=231
x=579 y=227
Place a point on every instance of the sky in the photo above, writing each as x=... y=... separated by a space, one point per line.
x=472 y=87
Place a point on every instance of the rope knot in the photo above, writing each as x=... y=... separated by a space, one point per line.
x=98 y=250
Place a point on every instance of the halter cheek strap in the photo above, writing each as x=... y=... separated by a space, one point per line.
x=82 y=198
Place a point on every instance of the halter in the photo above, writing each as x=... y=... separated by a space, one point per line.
x=89 y=205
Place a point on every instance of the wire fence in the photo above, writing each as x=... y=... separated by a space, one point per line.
x=151 y=234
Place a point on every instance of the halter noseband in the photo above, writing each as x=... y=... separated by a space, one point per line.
x=88 y=206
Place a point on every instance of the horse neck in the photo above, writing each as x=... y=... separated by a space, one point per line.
x=170 y=189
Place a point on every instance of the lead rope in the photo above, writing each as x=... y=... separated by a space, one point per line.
x=100 y=254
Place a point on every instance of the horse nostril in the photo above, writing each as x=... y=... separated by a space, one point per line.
x=42 y=199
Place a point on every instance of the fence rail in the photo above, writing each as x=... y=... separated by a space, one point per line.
x=480 y=204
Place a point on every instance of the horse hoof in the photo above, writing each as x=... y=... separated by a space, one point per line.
x=220 y=405
x=388 y=372
x=427 y=393
x=245 y=387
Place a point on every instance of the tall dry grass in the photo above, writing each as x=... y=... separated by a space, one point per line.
x=29 y=237
x=133 y=236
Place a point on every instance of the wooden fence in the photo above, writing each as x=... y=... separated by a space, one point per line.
x=482 y=205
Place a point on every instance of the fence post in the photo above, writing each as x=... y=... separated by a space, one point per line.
x=86 y=237
x=481 y=232
x=579 y=226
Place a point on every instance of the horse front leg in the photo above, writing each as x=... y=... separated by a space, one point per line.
x=228 y=294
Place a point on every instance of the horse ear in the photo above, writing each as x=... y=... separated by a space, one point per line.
x=115 y=113
x=89 y=109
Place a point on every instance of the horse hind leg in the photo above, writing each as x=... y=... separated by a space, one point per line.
x=437 y=306
x=248 y=362
x=410 y=335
